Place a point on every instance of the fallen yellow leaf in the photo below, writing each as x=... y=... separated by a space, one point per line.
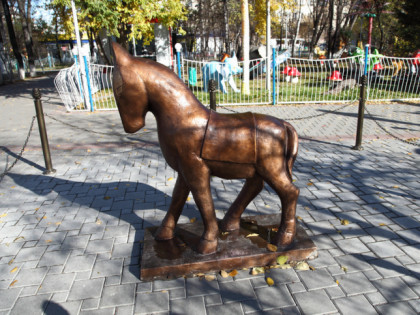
x=312 y=268
x=233 y=273
x=271 y=247
x=257 y=270
x=170 y=178
x=269 y=281
x=336 y=281
x=209 y=277
x=57 y=223
x=189 y=198
x=14 y=270
x=281 y=260
x=98 y=221
x=299 y=218
x=48 y=241
x=13 y=283
x=309 y=184
x=13 y=187
x=345 y=222
x=252 y=235
x=382 y=224
x=3 y=215
x=344 y=268
x=302 y=265
x=192 y=220
x=224 y=274
x=11 y=261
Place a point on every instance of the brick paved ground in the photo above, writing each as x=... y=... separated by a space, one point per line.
x=70 y=243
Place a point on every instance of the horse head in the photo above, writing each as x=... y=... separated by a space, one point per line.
x=129 y=90
x=233 y=65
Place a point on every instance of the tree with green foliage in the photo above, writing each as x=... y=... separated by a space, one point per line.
x=408 y=38
x=125 y=19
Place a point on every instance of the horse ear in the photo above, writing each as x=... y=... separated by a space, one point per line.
x=121 y=56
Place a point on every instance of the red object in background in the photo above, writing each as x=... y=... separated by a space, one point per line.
x=336 y=76
x=416 y=55
x=293 y=72
x=377 y=67
x=286 y=70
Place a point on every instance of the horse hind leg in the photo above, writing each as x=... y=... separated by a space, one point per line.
x=288 y=194
x=251 y=189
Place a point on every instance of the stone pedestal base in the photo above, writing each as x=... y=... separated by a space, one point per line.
x=236 y=250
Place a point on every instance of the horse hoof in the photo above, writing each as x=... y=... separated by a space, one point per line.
x=206 y=247
x=284 y=238
x=229 y=224
x=164 y=233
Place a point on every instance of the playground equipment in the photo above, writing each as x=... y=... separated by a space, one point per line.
x=222 y=72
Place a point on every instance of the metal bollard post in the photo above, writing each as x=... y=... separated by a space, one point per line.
x=361 y=114
x=212 y=91
x=36 y=93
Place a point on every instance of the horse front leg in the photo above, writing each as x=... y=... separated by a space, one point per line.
x=198 y=179
x=179 y=197
x=251 y=189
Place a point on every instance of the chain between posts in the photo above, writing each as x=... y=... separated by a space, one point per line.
x=19 y=156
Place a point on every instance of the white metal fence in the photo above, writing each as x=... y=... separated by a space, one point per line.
x=295 y=81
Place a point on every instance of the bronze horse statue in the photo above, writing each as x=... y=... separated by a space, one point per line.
x=199 y=143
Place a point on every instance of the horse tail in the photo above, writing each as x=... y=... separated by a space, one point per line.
x=292 y=145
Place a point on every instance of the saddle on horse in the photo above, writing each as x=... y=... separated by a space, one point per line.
x=230 y=138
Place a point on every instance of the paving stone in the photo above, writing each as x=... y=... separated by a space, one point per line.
x=388 y=286
x=352 y=246
x=315 y=302
x=274 y=297
x=193 y=306
x=385 y=249
x=159 y=285
x=250 y=306
x=355 y=305
x=99 y=246
x=179 y=293
x=29 y=277
x=9 y=297
x=53 y=258
x=413 y=251
x=317 y=279
x=106 y=268
x=27 y=254
x=353 y=263
x=376 y=298
x=225 y=309
x=197 y=286
x=236 y=291
x=214 y=299
x=86 y=289
x=56 y=283
x=72 y=307
x=355 y=283
x=27 y=304
x=90 y=304
x=79 y=263
x=399 y=308
x=154 y=302
x=389 y=267
x=117 y=295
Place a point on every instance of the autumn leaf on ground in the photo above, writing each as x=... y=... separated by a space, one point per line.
x=233 y=273
x=11 y=261
x=48 y=241
x=107 y=197
x=271 y=247
x=281 y=260
x=299 y=218
x=312 y=268
x=224 y=274
x=18 y=238
x=252 y=235
x=14 y=270
x=192 y=220
x=345 y=222
x=382 y=224
x=309 y=184
x=344 y=268
x=189 y=198
x=336 y=281
x=302 y=265
x=98 y=221
x=257 y=270
x=269 y=281
x=13 y=283
x=209 y=277
x=170 y=178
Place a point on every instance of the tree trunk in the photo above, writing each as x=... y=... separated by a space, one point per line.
x=102 y=50
x=27 y=35
x=297 y=27
x=330 y=28
x=245 y=46
x=13 y=40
